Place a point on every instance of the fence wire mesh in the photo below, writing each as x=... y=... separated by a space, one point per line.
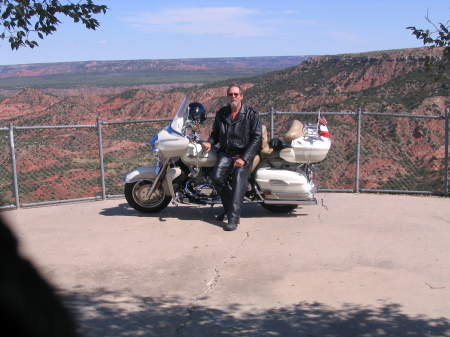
x=6 y=169
x=57 y=164
x=382 y=153
x=126 y=147
x=402 y=154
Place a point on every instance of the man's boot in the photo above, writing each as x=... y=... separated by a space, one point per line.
x=230 y=226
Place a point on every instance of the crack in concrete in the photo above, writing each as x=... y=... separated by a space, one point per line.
x=323 y=205
x=438 y=217
x=212 y=284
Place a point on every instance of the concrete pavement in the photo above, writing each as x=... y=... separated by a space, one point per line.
x=354 y=265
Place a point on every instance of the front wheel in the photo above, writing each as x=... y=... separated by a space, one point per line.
x=137 y=196
x=279 y=208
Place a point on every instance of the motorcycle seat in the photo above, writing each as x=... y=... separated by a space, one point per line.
x=295 y=131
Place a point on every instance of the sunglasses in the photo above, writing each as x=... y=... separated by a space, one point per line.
x=233 y=94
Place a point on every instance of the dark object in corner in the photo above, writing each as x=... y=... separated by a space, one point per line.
x=29 y=306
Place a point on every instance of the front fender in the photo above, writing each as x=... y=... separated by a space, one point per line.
x=141 y=173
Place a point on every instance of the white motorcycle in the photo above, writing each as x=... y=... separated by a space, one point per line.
x=280 y=181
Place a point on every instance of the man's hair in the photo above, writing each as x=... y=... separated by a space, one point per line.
x=234 y=85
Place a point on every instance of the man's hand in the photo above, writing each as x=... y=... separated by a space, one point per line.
x=239 y=162
x=206 y=146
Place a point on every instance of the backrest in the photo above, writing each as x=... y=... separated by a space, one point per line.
x=265 y=149
x=295 y=131
x=265 y=140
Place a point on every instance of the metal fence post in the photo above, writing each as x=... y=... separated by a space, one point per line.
x=14 y=165
x=271 y=124
x=100 y=150
x=358 y=150
x=446 y=155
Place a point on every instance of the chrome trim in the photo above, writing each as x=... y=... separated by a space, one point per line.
x=288 y=196
x=312 y=201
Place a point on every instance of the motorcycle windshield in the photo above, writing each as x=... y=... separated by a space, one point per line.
x=179 y=121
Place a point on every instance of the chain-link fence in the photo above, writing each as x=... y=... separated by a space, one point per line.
x=6 y=169
x=371 y=152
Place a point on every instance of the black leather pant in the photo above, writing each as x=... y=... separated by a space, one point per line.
x=231 y=199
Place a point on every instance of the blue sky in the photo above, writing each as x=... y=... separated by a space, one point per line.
x=146 y=29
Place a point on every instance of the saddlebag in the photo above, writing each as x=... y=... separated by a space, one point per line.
x=283 y=184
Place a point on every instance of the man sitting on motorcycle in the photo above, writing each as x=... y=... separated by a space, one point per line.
x=237 y=128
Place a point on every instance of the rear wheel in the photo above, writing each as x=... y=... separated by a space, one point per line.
x=279 y=208
x=136 y=195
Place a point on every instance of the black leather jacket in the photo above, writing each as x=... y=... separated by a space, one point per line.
x=241 y=136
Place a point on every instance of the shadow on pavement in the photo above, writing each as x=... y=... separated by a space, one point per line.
x=104 y=313
x=198 y=212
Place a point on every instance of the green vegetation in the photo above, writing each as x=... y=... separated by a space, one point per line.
x=123 y=79
x=20 y=19
x=439 y=37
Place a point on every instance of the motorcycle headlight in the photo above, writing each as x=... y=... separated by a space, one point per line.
x=156 y=156
x=154 y=150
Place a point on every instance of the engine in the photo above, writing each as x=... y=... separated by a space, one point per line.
x=200 y=185
x=202 y=191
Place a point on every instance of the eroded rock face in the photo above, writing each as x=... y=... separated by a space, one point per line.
x=385 y=81
x=342 y=82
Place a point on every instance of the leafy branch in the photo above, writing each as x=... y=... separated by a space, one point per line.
x=20 y=19
x=439 y=37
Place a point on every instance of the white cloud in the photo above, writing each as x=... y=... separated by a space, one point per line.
x=223 y=21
